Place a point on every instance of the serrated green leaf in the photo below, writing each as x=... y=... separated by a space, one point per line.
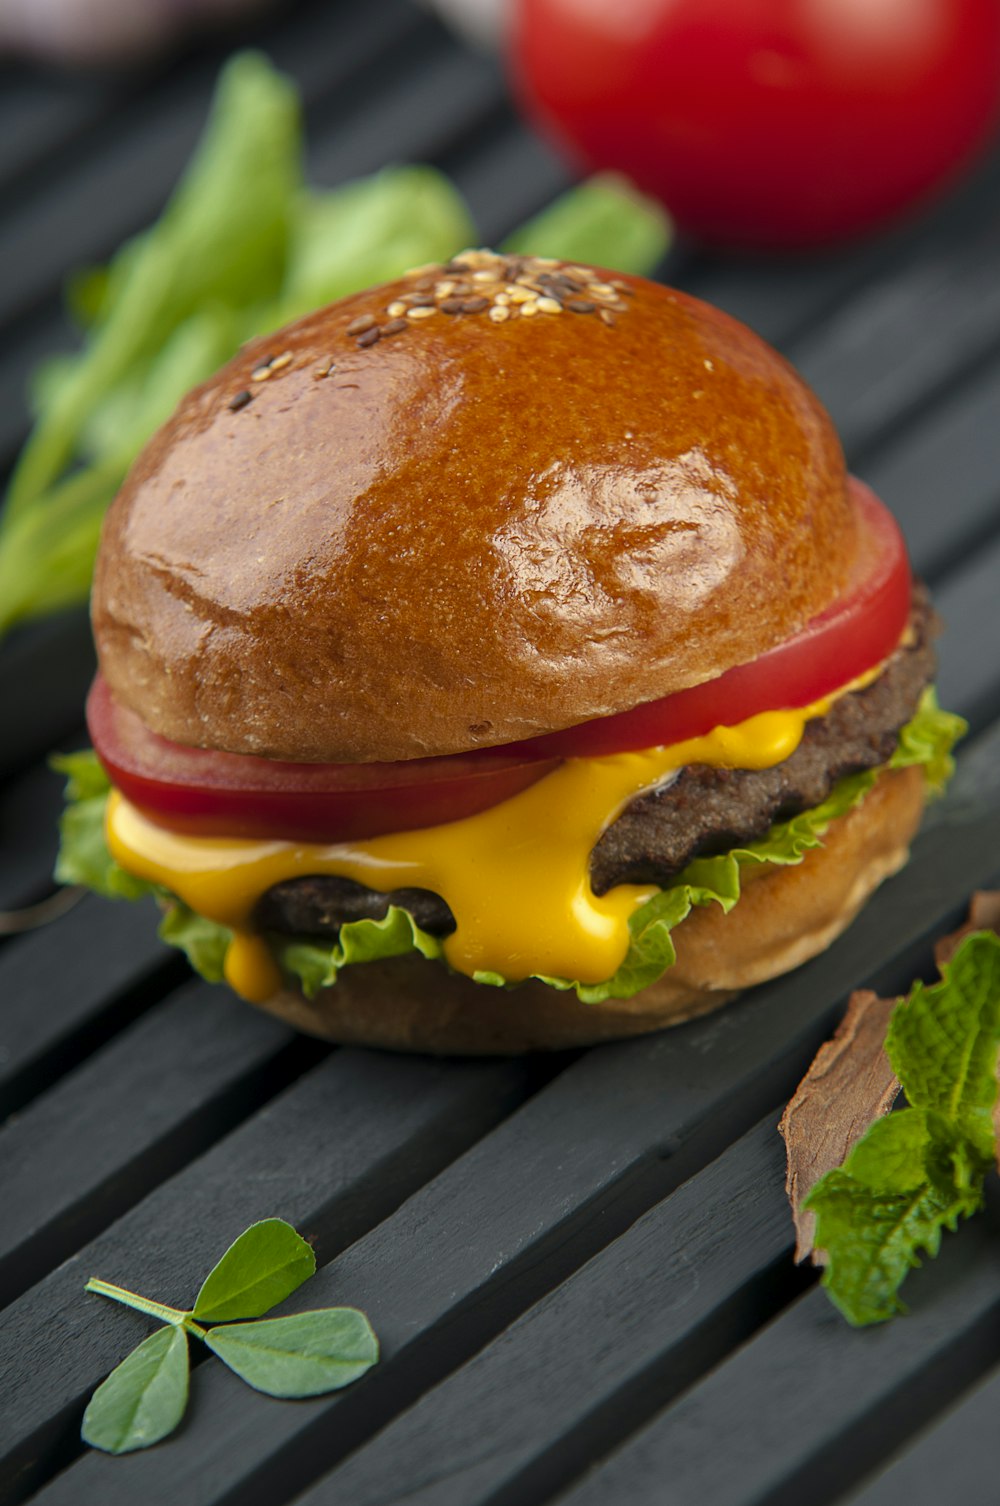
x=901 y=1186
x=943 y=1040
x=302 y=1355
x=143 y=1399
x=265 y=1265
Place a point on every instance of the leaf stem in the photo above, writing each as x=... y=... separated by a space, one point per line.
x=144 y=1305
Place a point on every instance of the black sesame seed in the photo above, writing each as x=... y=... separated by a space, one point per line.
x=240 y=400
x=421 y=300
x=393 y=327
x=579 y=305
x=452 y=305
x=361 y=325
x=368 y=337
x=474 y=305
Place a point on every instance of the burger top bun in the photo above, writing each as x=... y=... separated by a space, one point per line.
x=488 y=520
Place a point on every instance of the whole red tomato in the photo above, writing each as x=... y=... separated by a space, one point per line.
x=766 y=122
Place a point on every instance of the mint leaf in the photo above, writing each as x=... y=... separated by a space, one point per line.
x=943 y=1040
x=917 y=1172
x=260 y=1269
x=144 y=1398
x=303 y=1355
x=905 y=1183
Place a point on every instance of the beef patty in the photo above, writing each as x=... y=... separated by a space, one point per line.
x=702 y=812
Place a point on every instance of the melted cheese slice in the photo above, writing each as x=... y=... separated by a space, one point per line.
x=516 y=876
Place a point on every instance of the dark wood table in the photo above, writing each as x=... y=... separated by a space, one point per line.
x=579 y=1266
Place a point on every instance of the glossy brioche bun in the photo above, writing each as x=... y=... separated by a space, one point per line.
x=784 y=917
x=472 y=530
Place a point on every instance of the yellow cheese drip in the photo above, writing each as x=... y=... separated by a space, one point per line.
x=516 y=876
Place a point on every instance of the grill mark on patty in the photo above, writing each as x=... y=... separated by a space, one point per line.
x=704 y=811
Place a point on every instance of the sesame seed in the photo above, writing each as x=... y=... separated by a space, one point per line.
x=501 y=300
x=421 y=312
x=260 y=373
x=608 y=317
x=528 y=309
x=601 y=289
x=280 y=362
x=368 y=337
x=547 y=306
x=240 y=400
x=361 y=325
x=520 y=295
x=585 y=274
x=452 y=306
x=442 y=289
x=498 y=313
x=474 y=305
x=396 y=309
x=393 y=327
x=545 y=261
x=323 y=369
x=483 y=276
x=579 y=306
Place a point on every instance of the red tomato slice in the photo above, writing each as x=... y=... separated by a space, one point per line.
x=234 y=794
x=209 y=793
x=854 y=634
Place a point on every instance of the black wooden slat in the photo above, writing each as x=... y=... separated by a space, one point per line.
x=954 y=1461
x=109 y=195
x=794 y=299
x=29 y=838
x=905 y=336
x=609 y=1347
x=969 y=602
x=505 y=178
x=333 y=1154
x=942 y=476
x=558 y=1180
x=38 y=713
x=64 y=988
x=437 y=95
x=807 y=1407
x=47 y=334
x=41 y=113
x=179 y=1078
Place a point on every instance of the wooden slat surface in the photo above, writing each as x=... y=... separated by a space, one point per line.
x=578 y=1267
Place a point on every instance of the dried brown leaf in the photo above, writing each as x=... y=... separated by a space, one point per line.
x=849 y=1085
x=984 y=915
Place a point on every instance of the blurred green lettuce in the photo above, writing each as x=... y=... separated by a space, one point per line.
x=242 y=247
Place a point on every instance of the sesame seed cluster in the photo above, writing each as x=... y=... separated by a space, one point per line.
x=473 y=283
x=501 y=287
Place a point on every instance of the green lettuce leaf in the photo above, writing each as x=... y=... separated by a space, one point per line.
x=84 y=859
x=918 y=1171
x=604 y=222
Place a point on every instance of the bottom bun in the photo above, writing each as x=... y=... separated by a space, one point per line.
x=784 y=917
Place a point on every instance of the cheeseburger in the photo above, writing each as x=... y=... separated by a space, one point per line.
x=503 y=658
